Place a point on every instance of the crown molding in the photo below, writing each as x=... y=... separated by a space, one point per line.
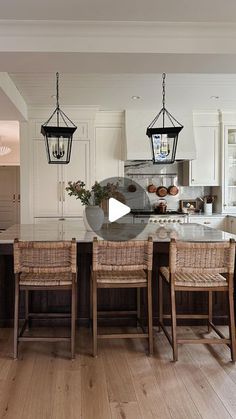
x=94 y=36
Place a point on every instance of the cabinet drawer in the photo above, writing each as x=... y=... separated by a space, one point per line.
x=213 y=222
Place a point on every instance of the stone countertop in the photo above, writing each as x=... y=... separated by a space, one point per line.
x=66 y=231
x=202 y=214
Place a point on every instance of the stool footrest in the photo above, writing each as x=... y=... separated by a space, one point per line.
x=123 y=335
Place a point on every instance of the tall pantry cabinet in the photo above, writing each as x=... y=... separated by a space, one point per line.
x=97 y=153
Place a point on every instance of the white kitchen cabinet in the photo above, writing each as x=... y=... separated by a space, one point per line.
x=50 y=180
x=229 y=169
x=231 y=224
x=59 y=226
x=219 y=223
x=205 y=169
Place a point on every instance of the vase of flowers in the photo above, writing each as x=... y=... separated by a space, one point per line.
x=92 y=199
x=93 y=217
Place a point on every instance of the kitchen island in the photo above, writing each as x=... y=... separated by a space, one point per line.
x=122 y=299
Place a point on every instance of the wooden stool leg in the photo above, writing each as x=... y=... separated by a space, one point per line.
x=95 y=343
x=209 y=310
x=27 y=309
x=173 y=323
x=232 y=324
x=91 y=301
x=150 y=327
x=73 y=318
x=138 y=307
x=16 y=318
x=160 y=300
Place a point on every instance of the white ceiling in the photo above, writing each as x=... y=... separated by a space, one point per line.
x=115 y=91
x=109 y=79
x=122 y=10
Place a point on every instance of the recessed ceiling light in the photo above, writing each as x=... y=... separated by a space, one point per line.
x=135 y=97
x=215 y=97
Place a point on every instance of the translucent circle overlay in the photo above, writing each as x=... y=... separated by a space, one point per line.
x=130 y=193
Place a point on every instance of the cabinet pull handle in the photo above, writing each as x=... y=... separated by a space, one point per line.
x=225 y=205
x=206 y=222
x=63 y=191
x=59 y=191
x=192 y=180
x=18 y=197
x=14 y=198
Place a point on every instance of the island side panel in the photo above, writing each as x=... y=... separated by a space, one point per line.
x=121 y=299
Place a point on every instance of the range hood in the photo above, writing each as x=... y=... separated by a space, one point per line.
x=138 y=144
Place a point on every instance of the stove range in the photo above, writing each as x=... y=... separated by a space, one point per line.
x=170 y=217
x=152 y=212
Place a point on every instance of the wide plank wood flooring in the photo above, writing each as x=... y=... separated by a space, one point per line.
x=122 y=382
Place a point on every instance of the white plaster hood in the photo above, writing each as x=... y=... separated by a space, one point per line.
x=137 y=142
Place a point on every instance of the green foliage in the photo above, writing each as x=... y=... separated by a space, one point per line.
x=89 y=197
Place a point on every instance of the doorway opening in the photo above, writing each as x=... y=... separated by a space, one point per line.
x=9 y=174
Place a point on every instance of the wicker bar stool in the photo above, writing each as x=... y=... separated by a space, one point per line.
x=122 y=265
x=44 y=266
x=199 y=267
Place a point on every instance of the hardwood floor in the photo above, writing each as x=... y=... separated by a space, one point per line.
x=122 y=382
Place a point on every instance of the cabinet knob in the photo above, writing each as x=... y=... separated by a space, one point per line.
x=225 y=205
x=206 y=222
x=192 y=180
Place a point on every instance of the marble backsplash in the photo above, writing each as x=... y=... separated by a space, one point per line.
x=145 y=173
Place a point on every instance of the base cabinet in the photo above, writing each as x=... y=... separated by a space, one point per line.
x=62 y=224
x=219 y=223
x=231 y=224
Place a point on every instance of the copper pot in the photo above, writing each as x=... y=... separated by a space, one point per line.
x=173 y=190
x=132 y=188
x=161 y=191
x=151 y=188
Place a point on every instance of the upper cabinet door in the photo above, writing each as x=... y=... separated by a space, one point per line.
x=229 y=173
x=204 y=171
x=47 y=193
x=77 y=169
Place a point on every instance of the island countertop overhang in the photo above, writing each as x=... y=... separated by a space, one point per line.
x=67 y=230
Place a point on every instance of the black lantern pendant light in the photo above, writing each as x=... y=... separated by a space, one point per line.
x=58 y=138
x=164 y=140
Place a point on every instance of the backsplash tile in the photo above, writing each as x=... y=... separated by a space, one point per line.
x=145 y=173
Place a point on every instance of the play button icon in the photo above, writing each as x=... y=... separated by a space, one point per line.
x=124 y=196
x=117 y=210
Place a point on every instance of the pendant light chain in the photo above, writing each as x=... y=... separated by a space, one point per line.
x=163 y=97
x=163 y=89
x=57 y=90
x=163 y=138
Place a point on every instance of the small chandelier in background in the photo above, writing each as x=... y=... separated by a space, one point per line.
x=164 y=139
x=58 y=137
x=4 y=149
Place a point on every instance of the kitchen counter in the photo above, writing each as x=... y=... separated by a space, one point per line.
x=203 y=214
x=116 y=299
x=69 y=229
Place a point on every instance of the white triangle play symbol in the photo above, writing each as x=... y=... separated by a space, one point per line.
x=116 y=210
